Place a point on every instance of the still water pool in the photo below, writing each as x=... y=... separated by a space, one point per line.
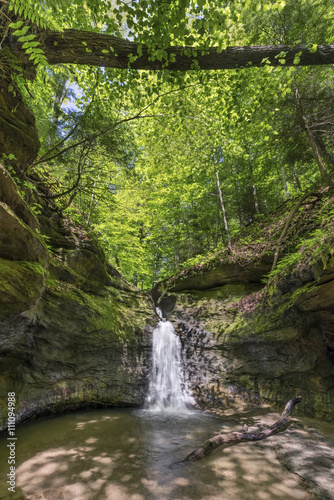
x=133 y=455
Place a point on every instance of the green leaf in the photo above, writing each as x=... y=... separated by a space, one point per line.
x=27 y=38
x=21 y=32
x=30 y=44
x=16 y=25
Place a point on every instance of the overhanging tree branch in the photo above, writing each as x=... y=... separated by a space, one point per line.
x=98 y=49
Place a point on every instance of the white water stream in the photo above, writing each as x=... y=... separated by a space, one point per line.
x=167 y=389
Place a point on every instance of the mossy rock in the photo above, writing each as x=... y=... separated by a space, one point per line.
x=21 y=285
x=10 y=195
x=17 y=240
x=18 y=133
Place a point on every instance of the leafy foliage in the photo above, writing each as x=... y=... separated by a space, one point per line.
x=165 y=166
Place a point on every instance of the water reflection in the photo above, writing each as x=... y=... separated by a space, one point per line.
x=131 y=455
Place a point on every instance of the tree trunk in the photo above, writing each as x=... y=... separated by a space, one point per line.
x=215 y=243
x=238 y=197
x=233 y=438
x=296 y=178
x=86 y=47
x=223 y=208
x=324 y=175
x=285 y=186
x=93 y=194
x=256 y=201
x=286 y=227
x=327 y=156
x=155 y=272
x=255 y=198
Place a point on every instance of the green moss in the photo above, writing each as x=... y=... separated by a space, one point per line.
x=116 y=313
x=113 y=313
x=323 y=403
x=21 y=283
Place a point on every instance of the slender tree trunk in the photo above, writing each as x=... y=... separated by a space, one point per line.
x=223 y=207
x=155 y=270
x=324 y=175
x=217 y=224
x=327 y=156
x=286 y=227
x=93 y=194
x=256 y=201
x=255 y=198
x=238 y=197
x=75 y=187
x=58 y=102
x=285 y=185
x=296 y=177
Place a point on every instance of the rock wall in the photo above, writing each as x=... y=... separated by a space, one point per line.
x=73 y=332
x=268 y=355
x=18 y=134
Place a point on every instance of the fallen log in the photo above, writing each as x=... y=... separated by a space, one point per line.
x=233 y=438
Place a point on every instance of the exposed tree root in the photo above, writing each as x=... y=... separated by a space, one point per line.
x=233 y=438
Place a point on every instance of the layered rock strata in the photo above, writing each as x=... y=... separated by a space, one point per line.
x=269 y=353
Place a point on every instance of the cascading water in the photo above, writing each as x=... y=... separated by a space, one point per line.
x=167 y=389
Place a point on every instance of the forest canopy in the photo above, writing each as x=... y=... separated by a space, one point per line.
x=159 y=150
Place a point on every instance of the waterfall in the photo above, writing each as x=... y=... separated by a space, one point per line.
x=167 y=388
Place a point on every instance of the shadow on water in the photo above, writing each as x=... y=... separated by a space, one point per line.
x=132 y=455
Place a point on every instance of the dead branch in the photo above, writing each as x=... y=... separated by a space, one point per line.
x=233 y=438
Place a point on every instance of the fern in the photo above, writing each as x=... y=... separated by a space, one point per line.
x=32 y=12
x=30 y=44
x=35 y=12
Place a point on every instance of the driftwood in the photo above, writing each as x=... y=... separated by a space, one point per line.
x=233 y=438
